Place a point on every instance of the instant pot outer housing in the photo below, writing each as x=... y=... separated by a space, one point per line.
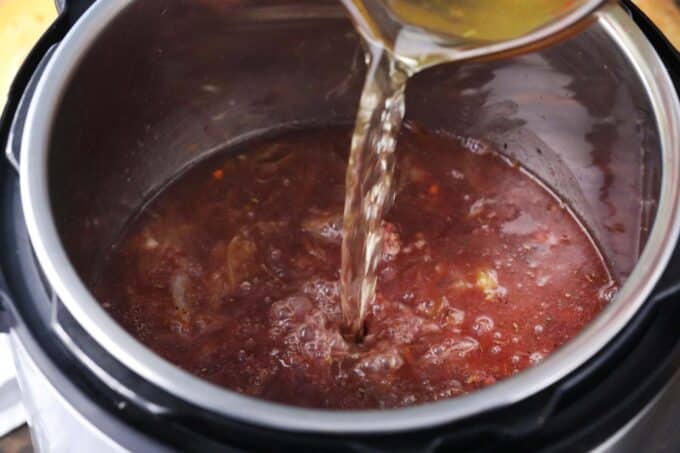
x=110 y=106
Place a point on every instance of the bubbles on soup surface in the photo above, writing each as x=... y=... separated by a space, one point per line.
x=232 y=274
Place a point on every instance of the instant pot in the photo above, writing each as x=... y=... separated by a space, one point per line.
x=119 y=96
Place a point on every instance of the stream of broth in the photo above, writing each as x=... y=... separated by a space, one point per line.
x=403 y=37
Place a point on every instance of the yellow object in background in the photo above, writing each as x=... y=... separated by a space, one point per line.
x=21 y=24
x=666 y=15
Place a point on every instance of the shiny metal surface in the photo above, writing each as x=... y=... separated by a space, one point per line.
x=139 y=90
x=56 y=426
x=654 y=429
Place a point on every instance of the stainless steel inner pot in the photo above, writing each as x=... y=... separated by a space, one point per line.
x=139 y=90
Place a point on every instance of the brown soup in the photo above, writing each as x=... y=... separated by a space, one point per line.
x=232 y=273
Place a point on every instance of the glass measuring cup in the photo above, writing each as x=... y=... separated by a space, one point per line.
x=423 y=33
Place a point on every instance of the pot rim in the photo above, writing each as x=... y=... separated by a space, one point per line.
x=124 y=347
